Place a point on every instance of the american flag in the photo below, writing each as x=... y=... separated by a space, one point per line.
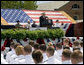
x=54 y=15
x=12 y=15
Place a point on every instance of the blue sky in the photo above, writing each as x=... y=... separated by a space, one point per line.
x=39 y=2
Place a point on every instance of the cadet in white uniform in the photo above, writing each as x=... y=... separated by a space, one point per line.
x=45 y=58
x=3 y=61
x=10 y=53
x=20 y=59
x=66 y=56
x=28 y=56
x=37 y=57
x=13 y=57
x=67 y=62
x=56 y=55
x=77 y=57
x=2 y=56
x=43 y=50
x=76 y=44
x=51 y=59
x=31 y=42
x=59 y=50
x=81 y=48
x=80 y=63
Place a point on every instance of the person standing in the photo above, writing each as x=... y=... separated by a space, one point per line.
x=42 y=19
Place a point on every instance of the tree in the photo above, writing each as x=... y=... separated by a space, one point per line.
x=31 y=5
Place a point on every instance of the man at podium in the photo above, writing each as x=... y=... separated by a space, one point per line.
x=42 y=19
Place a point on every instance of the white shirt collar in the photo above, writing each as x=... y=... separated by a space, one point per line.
x=51 y=57
x=44 y=54
x=45 y=57
x=60 y=52
x=66 y=62
x=13 y=50
x=80 y=63
x=28 y=56
x=2 y=55
x=21 y=56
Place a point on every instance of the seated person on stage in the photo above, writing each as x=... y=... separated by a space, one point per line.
x=58 y=24
x=28 y=24
x=34 y=24
x=18 y=25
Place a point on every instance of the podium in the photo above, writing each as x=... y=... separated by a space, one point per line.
x=47 y=23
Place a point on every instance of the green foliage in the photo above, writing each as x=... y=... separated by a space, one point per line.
x=21 y=34
x=7 y=33
x=3 y=35
x=31 y=34
x=31 y=5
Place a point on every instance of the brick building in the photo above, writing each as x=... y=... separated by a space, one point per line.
x=74 y=9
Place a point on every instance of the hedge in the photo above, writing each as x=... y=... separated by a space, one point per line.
x=22 y=33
